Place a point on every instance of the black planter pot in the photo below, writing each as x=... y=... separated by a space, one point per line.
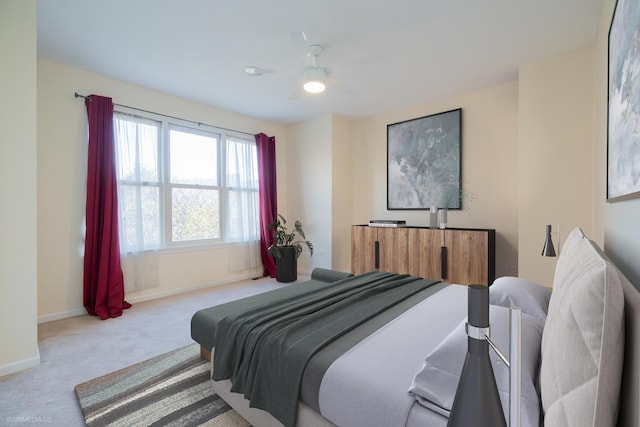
x=287 y=265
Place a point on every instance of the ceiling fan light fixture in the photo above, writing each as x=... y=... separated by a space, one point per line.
x=314 y=78
x=314 y=86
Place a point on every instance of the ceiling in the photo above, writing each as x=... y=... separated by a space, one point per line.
x=380 y=55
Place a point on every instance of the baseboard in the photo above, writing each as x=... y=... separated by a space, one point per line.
x=304 y=273
x=62 y=315
x=149 y=297
x=20 y=365
x=172 y=292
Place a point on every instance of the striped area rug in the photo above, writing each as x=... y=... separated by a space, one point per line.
x=172 y=389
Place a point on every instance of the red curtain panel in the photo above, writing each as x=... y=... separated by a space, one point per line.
x=103 y=282
x=266 y=146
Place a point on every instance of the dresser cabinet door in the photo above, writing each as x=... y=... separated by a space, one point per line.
x=468 y=254
x=363 y=241
x=424 y=254
x=393 y=249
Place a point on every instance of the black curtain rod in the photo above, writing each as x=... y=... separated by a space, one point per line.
x=77 y=95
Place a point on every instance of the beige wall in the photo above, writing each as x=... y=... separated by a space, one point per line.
x=308 y=188
x=555 y=155
x=342 y=193
x=599 y=162
x=61 y=187
x=319 y=190
x=331 y=174
x=489 y=167
x=18 y=267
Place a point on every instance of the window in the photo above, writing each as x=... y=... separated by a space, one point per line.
x=194 y=185
x=180 y=185
x=138 y=159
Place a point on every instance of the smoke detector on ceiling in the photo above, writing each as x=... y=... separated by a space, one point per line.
x=253 y=71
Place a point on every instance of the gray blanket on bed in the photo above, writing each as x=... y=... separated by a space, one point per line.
x=251 y=345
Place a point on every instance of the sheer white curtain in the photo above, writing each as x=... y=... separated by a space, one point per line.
x=137 y=150
x=242 y=224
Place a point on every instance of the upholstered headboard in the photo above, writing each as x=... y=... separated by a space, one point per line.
x=590 y=368
x=629 y=415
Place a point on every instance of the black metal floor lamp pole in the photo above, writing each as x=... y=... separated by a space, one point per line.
x=477 y=402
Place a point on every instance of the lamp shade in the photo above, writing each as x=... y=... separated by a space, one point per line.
x=477 y=402
x=548 y=249
x=314 y=78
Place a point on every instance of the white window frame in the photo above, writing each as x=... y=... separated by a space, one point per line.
x=169 y=186
x=165 y=196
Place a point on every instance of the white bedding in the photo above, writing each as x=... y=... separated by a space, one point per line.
x=385 y=379
x=435 y=385
x=380 y=368
x=369 y=384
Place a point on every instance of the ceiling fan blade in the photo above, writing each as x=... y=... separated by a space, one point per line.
x=298 y=36
x=297 y=93
x=255 y=71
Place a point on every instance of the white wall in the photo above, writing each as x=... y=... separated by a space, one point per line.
x=555 y=155
x=62 y=180
x=489 y=167
x=18 y=266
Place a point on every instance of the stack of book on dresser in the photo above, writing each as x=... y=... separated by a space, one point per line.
x=387 y=223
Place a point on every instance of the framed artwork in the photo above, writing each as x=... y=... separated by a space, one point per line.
x=623 y=112
x=424 y=162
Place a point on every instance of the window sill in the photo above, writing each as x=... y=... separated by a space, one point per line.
x=194 y=247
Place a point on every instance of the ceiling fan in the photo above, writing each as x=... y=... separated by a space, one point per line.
x=314 y=77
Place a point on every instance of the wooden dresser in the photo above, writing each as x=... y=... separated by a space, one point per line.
x=455 y=255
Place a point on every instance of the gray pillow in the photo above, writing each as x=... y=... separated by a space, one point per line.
x=531 y=297
x=434 y=386
x=329 y=276
x=583 y=339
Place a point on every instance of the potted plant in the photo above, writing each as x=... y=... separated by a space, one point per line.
x=286 y=248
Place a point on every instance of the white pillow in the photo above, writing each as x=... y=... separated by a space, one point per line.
x=434 y=386
x=583 y=339
x=531 y=297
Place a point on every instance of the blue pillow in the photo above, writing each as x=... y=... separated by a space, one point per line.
x=531 y=297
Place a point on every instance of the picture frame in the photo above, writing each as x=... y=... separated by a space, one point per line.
x=623 y=103
x=424 y=162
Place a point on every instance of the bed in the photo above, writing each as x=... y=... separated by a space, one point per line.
x=399 y=363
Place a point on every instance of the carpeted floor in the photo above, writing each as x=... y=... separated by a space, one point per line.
x=172 y=389
x=77 y=349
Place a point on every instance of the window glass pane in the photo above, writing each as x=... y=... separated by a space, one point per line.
x=137 y=148
x=193 y=158
x=242 y=165
x=195 y=214
x=139 y=221
x=137 y=142
x=243 y=216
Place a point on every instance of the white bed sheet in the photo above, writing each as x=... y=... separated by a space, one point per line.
x=419 y=416
x=368 y=385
